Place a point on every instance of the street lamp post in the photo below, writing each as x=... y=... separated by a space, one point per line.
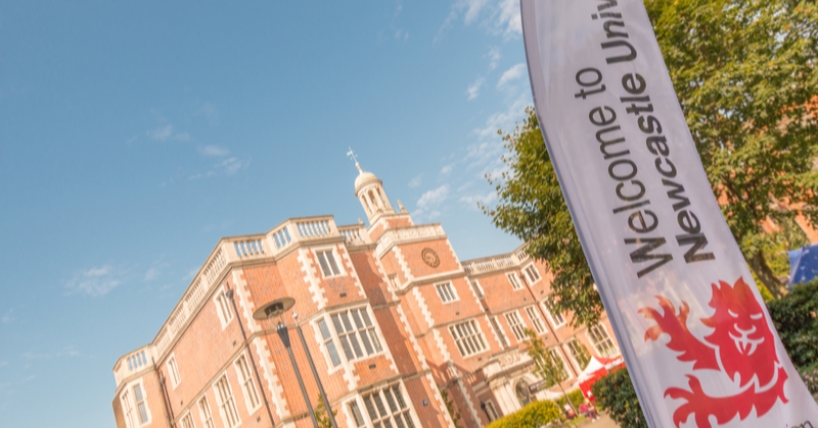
x=275 y=309
x=315 y=372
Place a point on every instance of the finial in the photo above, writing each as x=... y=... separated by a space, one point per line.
x=352 y=156
x=360 y=221
x=400 y=206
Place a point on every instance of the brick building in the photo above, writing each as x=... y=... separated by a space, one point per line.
x=391 y=318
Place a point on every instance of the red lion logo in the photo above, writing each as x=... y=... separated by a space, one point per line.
x=741 y=345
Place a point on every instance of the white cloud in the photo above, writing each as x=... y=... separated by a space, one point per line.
x=473 y=200
x=8 y=317
x=494 y=57
x=68 y=351
x=433 y=197
x=446 y=169
x=504 y=120
x=232 y=165
x=31 y=355
x=161 y=133
x=473 y=90
x=167 y=132
x=415 y=182
x=95 y=282
x=152 y=274
x=190 y=274
x=211 y=113
x=507 y=17
x=511 y=74
x=213 y=151
x=498 y=17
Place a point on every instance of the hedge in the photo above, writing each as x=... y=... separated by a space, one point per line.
x=794 y=317
x=615 y=394
x=576 y=399
x=534 y=415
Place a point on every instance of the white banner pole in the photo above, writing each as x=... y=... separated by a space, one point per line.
x=695 y=334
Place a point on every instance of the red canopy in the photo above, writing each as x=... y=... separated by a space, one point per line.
x=597 y=368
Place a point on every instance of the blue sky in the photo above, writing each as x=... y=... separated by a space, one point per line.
x=133 y=136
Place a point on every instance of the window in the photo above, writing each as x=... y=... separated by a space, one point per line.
x=247 y=384
x=499 y=332
x=516 y=324
x=354 y=328
x=388 y=409
x=556 y=317
x=227 y=403
x=173 y=369
x=127 y=409
x=327 y=261
x=531 y=272
x=223 y=309
x=356 y=414
x=446 y=292
x=515 y=282
x=490 y=411
x=204 y=411
x=187 y=421
x=468 y=337
x=478 y=290
x=602 y=342
x=331 y=349
x=141 y=407
x=578 y=353
x=557 y=358
x=539 y=327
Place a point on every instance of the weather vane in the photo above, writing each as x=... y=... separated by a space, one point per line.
x=352 y=156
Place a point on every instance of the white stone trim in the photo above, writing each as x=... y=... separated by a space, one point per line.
x=424 y=309
x=439 y=398
x=404 y=266
x=310 y=278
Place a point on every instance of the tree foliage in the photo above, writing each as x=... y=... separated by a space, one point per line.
x=321 y=415
x=615 y=395
x=534 y=415
x=746 y=80
x=796 y=318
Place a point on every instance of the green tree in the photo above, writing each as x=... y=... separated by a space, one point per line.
x=321 y=415
x=444 y=394
x=745 y=76
x=546 y=365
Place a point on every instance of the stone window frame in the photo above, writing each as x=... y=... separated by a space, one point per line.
x=554 y=319
x=516 y=324
x=514 y=280
x=474 y=338
x=249 y=389
x=389 y=401
x=536 y=320
x=223 y=309
x=606 y=353
x=373 y=335
x=528 y=270
x=226 y=401
x=173 y=370
x=130 y=401
x=447 y=292
x=205 y=412
x=335 y=261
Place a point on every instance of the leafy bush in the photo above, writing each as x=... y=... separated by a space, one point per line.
x=810 y=377
x=615 y=394
x=575 y=396
x=794 y=316
x=534 y=415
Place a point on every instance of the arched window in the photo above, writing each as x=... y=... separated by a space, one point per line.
x=523 y=394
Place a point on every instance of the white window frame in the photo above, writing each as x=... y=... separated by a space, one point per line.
x=473 y=341
x=130 y=403
x=514 y=280
x=186 y=421
x=516 y=323
x=248 y=384
x=557 y=321
x=226 y=401
x=607 y=351
x=447 y=292
x=355 y=413
x=333 y=266
x=556 y=352
x=206 y=412
x=478 y=289
x=223 y=309
x=325 y=335
x=573 y=348
x=534 y=316
x=173 y=370
x=128 y=411
x=528 y=273
x=354 y=334
x=491 y=411
x=498 y=329
x=389 y=403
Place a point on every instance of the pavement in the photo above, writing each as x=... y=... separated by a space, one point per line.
x=603 y=422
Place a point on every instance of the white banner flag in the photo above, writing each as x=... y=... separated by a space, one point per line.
x=696 y=336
